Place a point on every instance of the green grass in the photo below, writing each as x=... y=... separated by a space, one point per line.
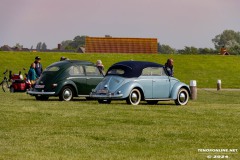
x=206 y=69
x=83 y=129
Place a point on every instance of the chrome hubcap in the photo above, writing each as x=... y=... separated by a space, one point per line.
x=134 y=97
x=67 y=95
x=182 y=97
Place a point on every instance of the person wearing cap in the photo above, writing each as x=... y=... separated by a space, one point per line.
x=169 y=67
x=100 y=66
x=38 y=66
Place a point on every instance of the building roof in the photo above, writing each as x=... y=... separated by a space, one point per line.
x=121 y=45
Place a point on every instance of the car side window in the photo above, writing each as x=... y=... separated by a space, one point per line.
x=153 y=71
x=92 y=70
x=76 y=70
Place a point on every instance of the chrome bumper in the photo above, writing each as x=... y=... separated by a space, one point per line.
x=40 y=93
x=107 y=96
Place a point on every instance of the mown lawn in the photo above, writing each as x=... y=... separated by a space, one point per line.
x=205 y=69
x=83 y=129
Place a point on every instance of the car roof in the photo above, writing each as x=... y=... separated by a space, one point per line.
x=133 y=68
x=70 y=62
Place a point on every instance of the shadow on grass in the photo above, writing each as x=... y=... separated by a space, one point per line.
x=117 y=102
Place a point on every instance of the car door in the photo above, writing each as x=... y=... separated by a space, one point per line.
x=161 y=84
x=146 y=82
x=93 y=77
x=79 y=78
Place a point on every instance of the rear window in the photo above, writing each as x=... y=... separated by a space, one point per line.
x=116 y=72
x=52 y=69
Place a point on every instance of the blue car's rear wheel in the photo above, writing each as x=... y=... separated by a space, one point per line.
x=182 y=97
x=134 y=97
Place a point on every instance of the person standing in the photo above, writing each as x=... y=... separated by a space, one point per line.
x=100 y=66
x=38 y=66
x=169 y=67
x=32 y=76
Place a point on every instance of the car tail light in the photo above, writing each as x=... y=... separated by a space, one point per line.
x=54 y=85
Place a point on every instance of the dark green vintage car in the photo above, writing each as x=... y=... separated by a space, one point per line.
x=67 y=79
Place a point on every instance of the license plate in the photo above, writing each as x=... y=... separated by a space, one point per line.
x=102 y=91
x=39 y=86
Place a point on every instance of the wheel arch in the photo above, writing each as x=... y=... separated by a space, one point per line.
x=177 y=87
x=72 y=85
x=127 y=88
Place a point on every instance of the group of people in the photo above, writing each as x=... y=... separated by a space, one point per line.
x=36 y=68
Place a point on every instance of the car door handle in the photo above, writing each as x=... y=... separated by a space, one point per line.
x=88 y=78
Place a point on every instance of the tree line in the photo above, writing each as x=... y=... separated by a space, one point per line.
x=229 y=39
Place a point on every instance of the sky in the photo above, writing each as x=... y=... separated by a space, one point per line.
x=177 y=23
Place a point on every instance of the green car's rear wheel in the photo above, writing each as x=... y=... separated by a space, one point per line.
x=66 y=94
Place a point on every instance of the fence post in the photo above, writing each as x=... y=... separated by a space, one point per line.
x=193 y=88
x=219 y=84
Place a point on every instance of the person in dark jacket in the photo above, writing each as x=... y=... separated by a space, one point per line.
x=38 y=66
x=169 y=67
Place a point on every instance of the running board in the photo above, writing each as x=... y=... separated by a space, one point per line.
x=165 y=99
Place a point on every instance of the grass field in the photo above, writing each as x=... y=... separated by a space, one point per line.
x=86 y=130
x=206 y=69
x=83 y=129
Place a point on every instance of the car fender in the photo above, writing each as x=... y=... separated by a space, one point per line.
x=177 y=86
x=66 y=83
x=128 y=87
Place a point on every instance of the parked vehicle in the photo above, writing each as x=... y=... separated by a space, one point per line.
x=67 y=79
x=19 y=83
x=5 y=82
x=15 y=82
x=134 y=81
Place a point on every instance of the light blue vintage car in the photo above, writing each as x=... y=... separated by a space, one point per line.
x=136 y=81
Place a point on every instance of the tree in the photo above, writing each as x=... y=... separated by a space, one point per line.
x=166 y=49
x=78 y=41
x=189 y=50
x=18 y=46
x=39 y=46
x=229 y=39
x=206 y=51
x=64 y=44
x=44 y=46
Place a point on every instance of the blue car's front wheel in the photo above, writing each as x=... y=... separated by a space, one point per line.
x=134 y=97
x=182 y=97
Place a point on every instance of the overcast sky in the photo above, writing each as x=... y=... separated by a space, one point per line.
x=177 y=23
